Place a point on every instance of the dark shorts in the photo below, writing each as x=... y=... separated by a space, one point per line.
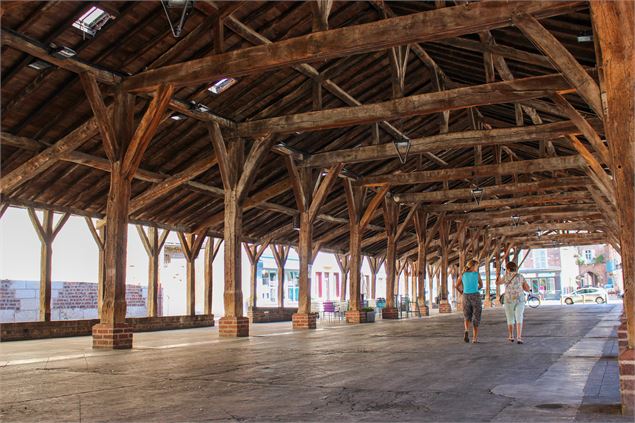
x=472 y=308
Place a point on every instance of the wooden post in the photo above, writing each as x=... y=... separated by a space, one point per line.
x=237 y=175
x=344 y=263
x=191 y=246
x=124 y=146
x=310 y=193
x=497 y=265
x=254 y=252
x=374 y=263
x=391 y=219
x=360 y=213
x=99 y=237
x=211 y=249
x=444 y=304
x=614 y=24
x=421 y=227
x=46 y=232
x=153 y=243
x=280 y=254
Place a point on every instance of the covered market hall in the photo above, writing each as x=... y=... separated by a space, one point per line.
x=407 y=141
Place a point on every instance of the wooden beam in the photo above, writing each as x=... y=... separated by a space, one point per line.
x=584 y=126
x=146 y=130
x=567 y=197
x=95 y=98
x=426 y=26
x=587 y=87
x=494 y=190
x=525 y=166
x=323 y=189
x=420 y=104
x=452 y=140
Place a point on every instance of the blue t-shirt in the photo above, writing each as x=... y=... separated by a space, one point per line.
x=470 y=282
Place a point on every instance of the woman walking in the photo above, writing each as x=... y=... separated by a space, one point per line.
x=515 y=287
x=469 y=284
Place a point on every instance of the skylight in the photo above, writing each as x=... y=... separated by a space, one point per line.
x=220 y=86
x=92 y=21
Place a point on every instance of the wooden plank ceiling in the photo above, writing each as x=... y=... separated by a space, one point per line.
x=531 y=137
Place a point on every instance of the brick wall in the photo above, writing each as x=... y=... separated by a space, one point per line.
x=58 y=329
x=19 y=300
x=270 y=314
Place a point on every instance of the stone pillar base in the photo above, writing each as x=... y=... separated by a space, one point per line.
x=355 y=317
x=304 y=320
x=425 y=311
x=487 y=303
x=112 y=336
x=626 y=361
x=389 y=313
x=233 y=327
x=445 y=307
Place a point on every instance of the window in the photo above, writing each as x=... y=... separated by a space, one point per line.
x=540 y=259
x=220 y=86
x=92 y=21
x=588 y=256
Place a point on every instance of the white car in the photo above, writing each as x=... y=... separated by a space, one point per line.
x=586 y=295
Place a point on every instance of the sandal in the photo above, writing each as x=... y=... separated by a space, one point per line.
x=466 y=337
x=510 y=340
x=474 y=341
x=520 y=341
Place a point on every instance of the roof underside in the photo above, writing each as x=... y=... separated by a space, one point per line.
x=46 y=105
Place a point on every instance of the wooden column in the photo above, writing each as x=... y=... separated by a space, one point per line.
x=191 y=246
x=211 y=249
x=237 y=175
x=614 y=25
x=344 y=263
x=99 y=235
x=280 y=254
x=431 y=287
x=444 y=304
x=153 y=243
x=124 y=146
x=497 y=265
x=254 y=252
x=360 y=213
x=421 y=227
x=375 y=264
x=391 y=220
x=46 y=232
x=310 y=192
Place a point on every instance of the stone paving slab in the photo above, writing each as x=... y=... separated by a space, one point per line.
x=409 y=370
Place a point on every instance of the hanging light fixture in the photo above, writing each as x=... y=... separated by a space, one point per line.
x=176 y=19
x=538 y=233
x=477 y=195
x=515 y=220
x=403 y=148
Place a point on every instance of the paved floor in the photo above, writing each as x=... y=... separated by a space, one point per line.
x=409 y=370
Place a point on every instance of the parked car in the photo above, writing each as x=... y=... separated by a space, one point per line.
x=586 y=295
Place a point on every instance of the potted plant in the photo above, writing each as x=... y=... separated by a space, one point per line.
x=370 y=314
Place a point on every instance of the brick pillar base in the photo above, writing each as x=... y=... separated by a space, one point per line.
x=487 y=303
x=425 y=311
x=389 y=313
x=626 y=361
x=233 y=327
x=355 y=317
x=622 y=342
x=112 y=336
x=304 y=320
x=445 y=307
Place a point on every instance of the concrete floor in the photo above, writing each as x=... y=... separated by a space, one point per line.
x=409 y=370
